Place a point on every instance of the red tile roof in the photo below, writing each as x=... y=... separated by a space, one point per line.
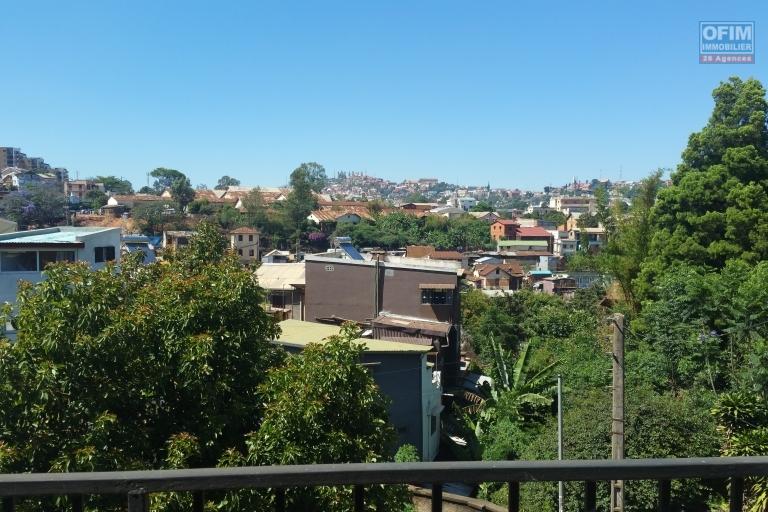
x=535 y=231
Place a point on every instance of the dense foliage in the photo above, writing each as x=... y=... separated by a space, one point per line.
x=689 y=264
x=398 y=229
x=170 y=365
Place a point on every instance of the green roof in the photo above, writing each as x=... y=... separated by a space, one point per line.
x=523 y=243
x=299 y=333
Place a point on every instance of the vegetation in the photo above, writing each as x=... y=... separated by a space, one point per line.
x=226 y=181
x=398 y=229
x=36 y=206
x=170 y=366
x=690 y=270
x=115 y=185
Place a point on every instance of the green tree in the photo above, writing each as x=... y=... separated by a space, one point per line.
x=628 y=246
x=338 y=415
x=315 y=174
x=37 y=205
x=115 y=185
x=226 y=181
x=121 y=369
x=482 y=206
x=151 y=218
x=416 y=197
x=96 y=199
x=717 y=206
x=182 y=191
x=657 y=425
x=164 y=178
x=256 y=210
x=299 y=203
x=228 y=217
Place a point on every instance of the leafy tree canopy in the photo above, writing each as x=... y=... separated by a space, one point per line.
x=226 y=181
x=115 y=185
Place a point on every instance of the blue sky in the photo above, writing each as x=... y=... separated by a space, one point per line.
x=515 y=94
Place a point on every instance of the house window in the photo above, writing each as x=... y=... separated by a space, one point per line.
x=239 y=238
x=18 y=261
x=103 y=254
x=437 y=297
x=47 y=257
x=250 y=238
x=250 y=252
x=329 y=268
x=239 y=252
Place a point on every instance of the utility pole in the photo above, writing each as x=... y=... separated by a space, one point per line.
x=560 y=485
x=617 y=411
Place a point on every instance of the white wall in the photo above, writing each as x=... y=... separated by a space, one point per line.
x=111 y=237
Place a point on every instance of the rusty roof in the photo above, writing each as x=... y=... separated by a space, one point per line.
x=413 y=324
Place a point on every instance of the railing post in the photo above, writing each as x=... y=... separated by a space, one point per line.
x=665 y=496
x=437 y=497
x=77 y=502
x=279 y=500
x=514 y=497
x=359 y=495
x=590 y=496
x=198 y=501
x=736 y=495
x=138 y=501
x=9 y=504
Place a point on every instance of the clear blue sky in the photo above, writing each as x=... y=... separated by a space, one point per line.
x=516 y=93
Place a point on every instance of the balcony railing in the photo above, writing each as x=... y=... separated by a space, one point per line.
x=137 y=485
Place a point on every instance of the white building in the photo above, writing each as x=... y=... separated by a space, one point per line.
x=24 y=254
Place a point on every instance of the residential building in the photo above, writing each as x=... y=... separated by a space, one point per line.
x=129 y=202
x=18 y=178
x=564 y=245
x=139 y=244
x=522 y=245
x=587 y=278
x=489 y=217
x=498 y=276
x=466 y=203
x=402 y=373
x=504 y=229
x=37 y=164
x=284 y=284
x=450 y=212
x=24 y=254
x=401 y=299
x=245 y=242
x=12 y=157
x=278 y=256
x=534 y=234
x=573 y=205
x=76 y=190
x=176 y=239
x=330 y=214
x=557 y=285
x=429 y=252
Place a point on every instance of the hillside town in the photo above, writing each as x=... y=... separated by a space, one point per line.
x=357 y=257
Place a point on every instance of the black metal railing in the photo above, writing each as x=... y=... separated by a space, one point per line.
x=138 y=485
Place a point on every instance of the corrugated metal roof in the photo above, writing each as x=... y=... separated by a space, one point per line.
x=523 y=243
x=48 y=236
x=423 y=325
x=300 y=333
